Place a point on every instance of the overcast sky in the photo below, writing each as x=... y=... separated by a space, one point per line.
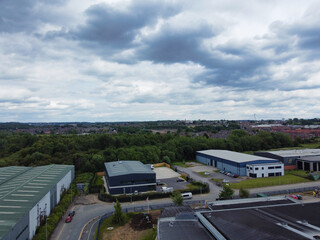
x=82 y=60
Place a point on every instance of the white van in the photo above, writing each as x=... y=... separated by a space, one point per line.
x=187 y=195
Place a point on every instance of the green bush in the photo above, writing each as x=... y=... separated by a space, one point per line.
x=244 y=193
x=56 y=214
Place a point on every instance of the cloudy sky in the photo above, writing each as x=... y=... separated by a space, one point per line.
x=87 y=60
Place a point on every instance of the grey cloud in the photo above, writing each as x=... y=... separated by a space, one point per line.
x=109 y=28
x=176 y=45
x=25 y=16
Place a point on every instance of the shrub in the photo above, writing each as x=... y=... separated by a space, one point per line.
x=226 y=193
x=177 y=198
x=243 y=193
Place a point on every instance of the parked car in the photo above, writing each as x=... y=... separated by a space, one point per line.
x=296 y=196
x=180 y=180
x=225 y=181
x=68 y=219
x=167 y=189
x=235 y=175
x=71 y=213
x=159 y=183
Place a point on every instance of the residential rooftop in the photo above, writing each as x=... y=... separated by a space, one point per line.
x=120 y=168
x=234 y=156
x=21 y=188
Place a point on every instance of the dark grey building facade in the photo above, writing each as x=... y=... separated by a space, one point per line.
x=125 y=177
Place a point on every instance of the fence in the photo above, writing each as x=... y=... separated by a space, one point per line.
x=161 y=165
x=145 y=208
x=286 y=191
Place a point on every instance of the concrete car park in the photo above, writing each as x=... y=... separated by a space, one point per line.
x=164 y=173
x=172 y=182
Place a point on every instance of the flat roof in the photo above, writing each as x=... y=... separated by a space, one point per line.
x=234 y=156
x=310 y=158
x=119 y=168
x=296 y=152
x=293 y=221
x=21 y=188
x=183 y=229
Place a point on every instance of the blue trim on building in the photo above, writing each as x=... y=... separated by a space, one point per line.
x=228 y=165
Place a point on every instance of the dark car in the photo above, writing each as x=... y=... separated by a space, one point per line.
x=68 y=219
x=180 y=180
x=159 y=183
x=71 y=213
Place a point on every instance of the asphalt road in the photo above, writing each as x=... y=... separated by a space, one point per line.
x=85 y=213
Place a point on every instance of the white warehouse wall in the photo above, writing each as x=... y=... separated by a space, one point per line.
x=34 y=213
x=64 y=182
x=265 y=169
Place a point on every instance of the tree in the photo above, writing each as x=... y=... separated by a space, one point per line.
x=226 y=193
x=177 y=198
x=118 y=216
x=243 y=193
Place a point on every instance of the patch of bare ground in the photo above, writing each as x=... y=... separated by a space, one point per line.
x=134 y=229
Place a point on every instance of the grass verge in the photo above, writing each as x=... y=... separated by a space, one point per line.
x=270 y=181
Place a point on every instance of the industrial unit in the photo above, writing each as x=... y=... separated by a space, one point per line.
x=290 y=157
x=123 y=177
x=27 y=195
x=265 y=170
x=278 y=217
x=233 y=162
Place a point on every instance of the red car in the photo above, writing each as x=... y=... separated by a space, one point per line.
x=69 y=219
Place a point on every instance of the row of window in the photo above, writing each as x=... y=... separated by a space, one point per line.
x=262 y=168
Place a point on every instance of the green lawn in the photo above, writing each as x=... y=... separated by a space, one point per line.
x=182 y=164
x=269 y=181
x=202 y=174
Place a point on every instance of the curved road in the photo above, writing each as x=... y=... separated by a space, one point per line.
x=85 y=213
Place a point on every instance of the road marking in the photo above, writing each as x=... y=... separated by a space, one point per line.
x=63 y=225
x=91 y=229
x=85 y=226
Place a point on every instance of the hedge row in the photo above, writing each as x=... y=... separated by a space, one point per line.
x=56 y=214
x=93 y=186
x=195 y=188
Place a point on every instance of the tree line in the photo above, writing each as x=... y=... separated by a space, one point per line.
x=89 y=152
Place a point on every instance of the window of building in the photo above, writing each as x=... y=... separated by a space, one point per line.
x=262 y=168
x=256 y=168
x=278 y=167
x=271 y=174
x=278 y=173
x=271 y=167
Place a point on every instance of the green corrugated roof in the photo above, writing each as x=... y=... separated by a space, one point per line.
x=21 y=188
x=126 y=167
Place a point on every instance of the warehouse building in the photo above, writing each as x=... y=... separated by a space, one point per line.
x=278 y=217
x=233 y=162
x=289 y=158
x=27 y=195
x=123 y=177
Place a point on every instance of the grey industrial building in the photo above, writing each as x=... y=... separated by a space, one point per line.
x=306 y=159
x=278 y=217
x=233 y=162
x=27 y=195
x=123 y=177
